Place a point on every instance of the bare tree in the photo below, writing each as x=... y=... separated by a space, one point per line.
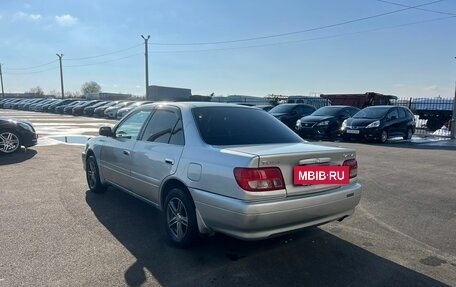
x=90 y=87
x=38 y=91
x=75 y=94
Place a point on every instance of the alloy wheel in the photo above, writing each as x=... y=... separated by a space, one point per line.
x=177 y=218
x=9 y=142
x=92 y=174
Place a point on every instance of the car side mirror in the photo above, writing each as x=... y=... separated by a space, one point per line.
x=105 y=131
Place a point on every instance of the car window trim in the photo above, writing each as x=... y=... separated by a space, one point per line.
x=152 y=110
x=170 y=108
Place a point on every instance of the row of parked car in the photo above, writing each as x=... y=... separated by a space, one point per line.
x=95 y=108
x=330 y=122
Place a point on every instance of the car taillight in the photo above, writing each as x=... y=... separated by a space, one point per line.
x=353 y=166
x=259 y=179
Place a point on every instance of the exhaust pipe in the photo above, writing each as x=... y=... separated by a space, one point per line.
x=342 y=218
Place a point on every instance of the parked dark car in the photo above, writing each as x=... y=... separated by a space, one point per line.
x=290 y=113
x=88 y=111
x=266 y=108
x=52 y=107
x=15 y=133
x=324 y=122
x=6 y=103
x=26 y=106
x=380 y=123
x=99 y=112
x=79 y=109
x=69 y=106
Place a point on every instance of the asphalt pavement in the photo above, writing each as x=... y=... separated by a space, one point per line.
x=54 y=232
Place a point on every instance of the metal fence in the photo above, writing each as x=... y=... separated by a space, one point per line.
x=433 y=115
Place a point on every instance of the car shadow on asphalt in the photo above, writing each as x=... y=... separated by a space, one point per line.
x=17 y=157
x=311 y=257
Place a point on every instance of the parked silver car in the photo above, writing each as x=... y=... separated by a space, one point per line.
x=214 y=167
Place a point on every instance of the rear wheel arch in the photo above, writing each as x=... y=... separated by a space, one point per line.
x=179 y=214
x=168 y=186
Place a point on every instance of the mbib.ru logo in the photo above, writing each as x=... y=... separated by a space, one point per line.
x=309 y=175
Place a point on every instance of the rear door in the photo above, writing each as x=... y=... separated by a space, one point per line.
x=393 y=122
x=156 y=155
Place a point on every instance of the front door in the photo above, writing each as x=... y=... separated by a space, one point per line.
x=116 y=152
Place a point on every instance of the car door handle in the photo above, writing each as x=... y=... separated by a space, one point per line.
x=126 y=152
x=170 y=161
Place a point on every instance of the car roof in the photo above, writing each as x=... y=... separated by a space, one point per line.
x=191 y=105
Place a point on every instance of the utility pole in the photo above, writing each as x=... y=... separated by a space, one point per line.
x=61 y=74
x=453 y=118
x=1 y=79
x=146 y=53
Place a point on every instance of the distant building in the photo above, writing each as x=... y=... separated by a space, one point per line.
x=160 y=93
x=26 y=95
x=107 y=96
x=241 y=99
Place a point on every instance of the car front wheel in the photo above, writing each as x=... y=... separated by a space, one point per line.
x=409 y=134
x=180 y=218
x=383 y=136
x=10 y=141
x=93 y=176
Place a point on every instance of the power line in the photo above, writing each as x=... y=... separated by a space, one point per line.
x=105 y=54
x=30 y=73
x=417 y=8
x=305 y=40
x=103 y=62
x=297 y=32
x=34 y=67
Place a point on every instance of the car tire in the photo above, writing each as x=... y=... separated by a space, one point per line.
x=345 y=137
x=332 y=132
x=93 y=176
x=10 y=142
x=180 y=218
x=383 y=136
x=409 y=134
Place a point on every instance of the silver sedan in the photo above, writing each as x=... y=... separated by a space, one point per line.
x=214 y=167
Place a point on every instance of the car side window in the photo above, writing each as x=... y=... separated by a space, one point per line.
x=177 y=137
x=344 y=114
x=392 y=115
x=409 y=114
x=131 y=127
x=402 y=114
x=162 y=126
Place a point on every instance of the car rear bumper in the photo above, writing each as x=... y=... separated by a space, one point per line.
x=258 y=220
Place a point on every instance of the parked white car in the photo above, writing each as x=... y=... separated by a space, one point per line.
x=214 y=167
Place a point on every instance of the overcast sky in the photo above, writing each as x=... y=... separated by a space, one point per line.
x=246 y=47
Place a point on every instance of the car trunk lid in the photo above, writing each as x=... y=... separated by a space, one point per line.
x=287 y=156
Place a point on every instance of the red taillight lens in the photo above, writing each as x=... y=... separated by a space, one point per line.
x=353 y=165
x=259 y=179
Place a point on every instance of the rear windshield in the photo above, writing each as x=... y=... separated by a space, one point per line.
x=241 y=126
